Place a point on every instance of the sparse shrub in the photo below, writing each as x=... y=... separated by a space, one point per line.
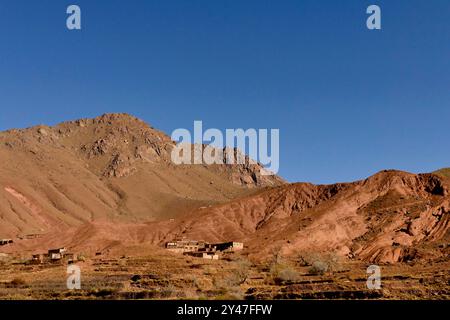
x=199 y=284
x=229 y=287
x=318 y=268
x=238 y=275
x=283 y=273
x=280 y=271
x=227 y=290
x=18 y=282
x=276 y=257
x=136 y=278
x=103 y=292
x=21 y=260
x=242 y=270
x=196 y=283
x=306 y=259
x=334 y=262
x=168 y=291
x=228 y=257
x=188 y=293
x=146 y=294
x=288 y=274
x=208 y=271
x=319 y=263
x=73 y=293
x=139 y=295
x=4 y=257
x=235 y=293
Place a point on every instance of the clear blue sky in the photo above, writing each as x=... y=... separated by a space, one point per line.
x=348 y=101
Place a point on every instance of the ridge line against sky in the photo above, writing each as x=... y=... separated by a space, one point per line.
x=348 y=101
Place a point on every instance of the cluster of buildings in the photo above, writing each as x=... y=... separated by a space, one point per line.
x=54 y=255
x=30 y=236
x=202 y=249
x=4 y=242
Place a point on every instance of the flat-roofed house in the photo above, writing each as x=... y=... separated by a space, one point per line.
x=229 y=246
x=184 y=246
x=56 y=254
x=204 y=255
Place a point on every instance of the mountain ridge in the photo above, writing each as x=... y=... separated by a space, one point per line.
x=107 y=182
x=110 y=167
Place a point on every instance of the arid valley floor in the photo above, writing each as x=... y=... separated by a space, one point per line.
x=170 y=276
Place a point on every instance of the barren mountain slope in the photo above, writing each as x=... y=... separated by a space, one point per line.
x=114 y=167
x=392 y=216
x=444 y=172
x=385 y=218
x=107 y=183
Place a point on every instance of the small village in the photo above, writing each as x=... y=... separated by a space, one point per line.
x=193 y=248
x=59 y=255
x=202 y=249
